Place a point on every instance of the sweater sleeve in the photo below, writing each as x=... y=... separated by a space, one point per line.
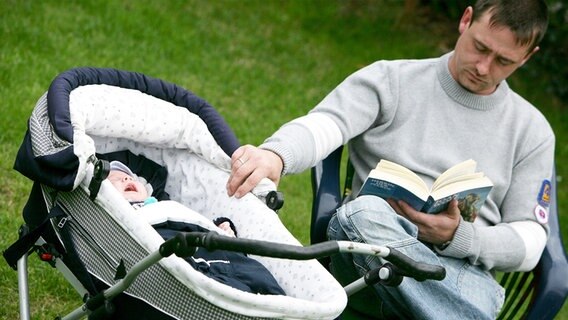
x=302 y=142
x=504 y=247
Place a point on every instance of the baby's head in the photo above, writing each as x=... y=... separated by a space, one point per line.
x=127 y=182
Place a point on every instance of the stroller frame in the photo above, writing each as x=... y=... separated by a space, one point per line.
x=184 y=244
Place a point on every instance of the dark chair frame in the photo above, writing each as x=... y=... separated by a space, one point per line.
x=538 y=294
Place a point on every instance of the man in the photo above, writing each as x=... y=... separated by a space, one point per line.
x=429 y=115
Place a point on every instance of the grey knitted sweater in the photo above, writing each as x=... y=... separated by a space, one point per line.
x=414 y=113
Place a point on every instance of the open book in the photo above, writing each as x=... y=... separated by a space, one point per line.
x=461 y=182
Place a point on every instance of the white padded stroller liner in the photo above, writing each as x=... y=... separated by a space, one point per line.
x=108 y=119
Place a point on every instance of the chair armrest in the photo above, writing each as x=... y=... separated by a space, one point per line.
x=552 y=270
x=326 y=194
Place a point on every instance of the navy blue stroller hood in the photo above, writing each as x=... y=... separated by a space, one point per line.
x=56 y=165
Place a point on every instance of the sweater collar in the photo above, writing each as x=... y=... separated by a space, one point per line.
x=464 y=97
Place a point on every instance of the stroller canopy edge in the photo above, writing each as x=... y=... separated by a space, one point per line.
x=63 y=84
x=58 y=167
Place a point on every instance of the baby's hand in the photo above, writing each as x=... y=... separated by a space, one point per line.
x=226 y=226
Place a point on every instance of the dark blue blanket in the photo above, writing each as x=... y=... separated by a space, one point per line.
x=234 y=269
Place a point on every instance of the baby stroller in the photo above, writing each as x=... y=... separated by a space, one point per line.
x=79 y=223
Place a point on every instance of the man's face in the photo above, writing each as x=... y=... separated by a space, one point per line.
x=485 y=55
x=129 y=187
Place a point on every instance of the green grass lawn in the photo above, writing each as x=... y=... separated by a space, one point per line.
x=260 y=63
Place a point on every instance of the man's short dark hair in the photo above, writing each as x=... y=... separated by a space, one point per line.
x=527 y=19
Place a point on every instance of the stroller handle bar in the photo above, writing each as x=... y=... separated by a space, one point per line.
x=405 y=265
x=185 y=244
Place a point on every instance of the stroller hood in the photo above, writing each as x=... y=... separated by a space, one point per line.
x=50 y=153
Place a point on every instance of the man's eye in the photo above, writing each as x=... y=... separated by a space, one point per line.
x=480 y=48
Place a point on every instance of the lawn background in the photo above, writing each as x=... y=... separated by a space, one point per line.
x=260 y=63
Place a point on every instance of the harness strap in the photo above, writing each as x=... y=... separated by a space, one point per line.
x=28 y=239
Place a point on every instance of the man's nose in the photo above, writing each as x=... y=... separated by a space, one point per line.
x=127 y=178
x=484 y=65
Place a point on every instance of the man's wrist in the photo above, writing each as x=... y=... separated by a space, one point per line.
x=279 y=154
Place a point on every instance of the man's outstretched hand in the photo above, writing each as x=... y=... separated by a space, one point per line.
x=249 y=165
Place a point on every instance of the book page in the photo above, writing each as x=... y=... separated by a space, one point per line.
x=401 y=171
x=446 y=182
x=462 y=168
x=461 y=186
x=410 y=185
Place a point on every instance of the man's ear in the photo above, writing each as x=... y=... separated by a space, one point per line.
x=529 y=55
x=466 y=19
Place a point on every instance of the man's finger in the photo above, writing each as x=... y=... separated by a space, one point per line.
x=407 y=211
x=239 y=174
x=249 y=183
x=453 y=209
x=238 y=156
x=393 y=203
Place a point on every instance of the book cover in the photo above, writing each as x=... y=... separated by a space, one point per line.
x=390 y=190
x=469 y=202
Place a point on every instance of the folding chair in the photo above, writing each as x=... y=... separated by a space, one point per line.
x=538 y=294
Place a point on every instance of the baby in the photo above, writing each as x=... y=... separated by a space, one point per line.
x=127 y=182
x=234 y=269
x=138 y=193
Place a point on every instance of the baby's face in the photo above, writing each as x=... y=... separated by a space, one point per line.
x=131 y=189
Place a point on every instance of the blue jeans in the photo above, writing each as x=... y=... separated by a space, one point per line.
x=467 y=292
